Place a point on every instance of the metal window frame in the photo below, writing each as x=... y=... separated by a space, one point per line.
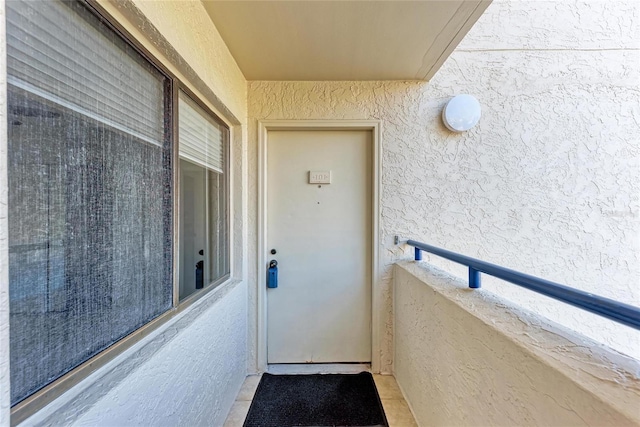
x=47 y=394
x=180 y=87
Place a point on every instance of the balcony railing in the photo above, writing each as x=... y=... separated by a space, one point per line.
x=620 y=312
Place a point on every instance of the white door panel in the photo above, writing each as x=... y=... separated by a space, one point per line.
x=321 y=310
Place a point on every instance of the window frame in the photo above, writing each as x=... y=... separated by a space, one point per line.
x=173 y=84
x=180 y=86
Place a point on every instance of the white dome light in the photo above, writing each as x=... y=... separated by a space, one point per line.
x=461 y=113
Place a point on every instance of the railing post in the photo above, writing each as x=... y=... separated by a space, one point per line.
x=418 y=254
x=474 y=278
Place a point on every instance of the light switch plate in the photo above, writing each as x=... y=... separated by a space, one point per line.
x=319 y=177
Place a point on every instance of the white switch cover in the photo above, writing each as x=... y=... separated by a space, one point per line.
x=319 y=177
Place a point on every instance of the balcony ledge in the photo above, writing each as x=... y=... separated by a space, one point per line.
x=594 y=383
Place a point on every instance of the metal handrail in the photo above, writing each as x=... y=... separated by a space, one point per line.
x=620 y=312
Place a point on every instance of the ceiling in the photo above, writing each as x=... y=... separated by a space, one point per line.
x=342 y=40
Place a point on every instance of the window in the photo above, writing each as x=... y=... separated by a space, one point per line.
x=204 y=220
x=91 y=201
x=90 y=198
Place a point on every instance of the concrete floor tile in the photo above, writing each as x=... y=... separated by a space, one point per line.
x=398 y=413
x=249 y=387
x=237 y=414
x=387 y=387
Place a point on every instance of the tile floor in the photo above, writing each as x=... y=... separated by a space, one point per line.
x=395 y=407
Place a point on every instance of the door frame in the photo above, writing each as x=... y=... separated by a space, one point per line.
x=264 y=127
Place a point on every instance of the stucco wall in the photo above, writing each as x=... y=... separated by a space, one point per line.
x=466 y=357
x=547 y=183
x=186 y=374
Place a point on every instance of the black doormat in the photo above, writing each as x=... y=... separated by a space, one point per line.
x=316 y=400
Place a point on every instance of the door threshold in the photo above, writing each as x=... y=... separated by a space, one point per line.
x=318 y=368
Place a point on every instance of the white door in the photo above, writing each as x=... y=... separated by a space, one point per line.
x=321 y=233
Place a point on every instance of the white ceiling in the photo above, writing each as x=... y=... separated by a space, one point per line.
x=342 y=40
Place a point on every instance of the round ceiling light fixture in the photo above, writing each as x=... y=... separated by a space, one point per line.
x=461 y=113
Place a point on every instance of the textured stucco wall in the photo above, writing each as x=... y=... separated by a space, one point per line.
x=5 y=396
x=466 y=357
x=547 y=183
x=186 y=374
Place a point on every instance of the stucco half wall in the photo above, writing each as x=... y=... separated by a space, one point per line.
x=466 y=357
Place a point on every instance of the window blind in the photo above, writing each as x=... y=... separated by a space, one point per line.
x=201 y=140
x=88 y=75
x=89 y=194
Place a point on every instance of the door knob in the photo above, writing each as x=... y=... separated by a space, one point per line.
x=273 y=252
